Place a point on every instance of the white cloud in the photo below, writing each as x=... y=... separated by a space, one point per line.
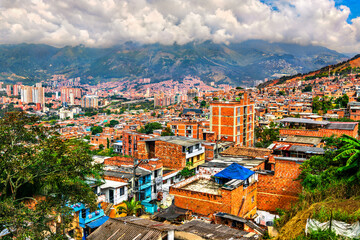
x=107 y=22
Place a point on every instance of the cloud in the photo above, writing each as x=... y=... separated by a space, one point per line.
x=102 y=23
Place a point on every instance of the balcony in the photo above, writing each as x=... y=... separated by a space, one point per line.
x=195 y=152
x=144 y=185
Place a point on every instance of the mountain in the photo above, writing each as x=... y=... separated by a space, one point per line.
x=339 y=68
x=236 y=63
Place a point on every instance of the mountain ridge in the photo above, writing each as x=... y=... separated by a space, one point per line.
x=235 y=63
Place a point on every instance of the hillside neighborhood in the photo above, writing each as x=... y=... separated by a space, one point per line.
x=194 y=161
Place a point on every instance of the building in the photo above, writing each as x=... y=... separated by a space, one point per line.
x=31 y=94
x=312 y=128
x=90 y=101
x=175 y=152
x=68 y=95
x=234 y=191
x=130 y=141
x=130 y=228
x=148 y=178
x=65 y=114
x=234 y=121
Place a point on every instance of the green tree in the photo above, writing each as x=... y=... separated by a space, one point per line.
x=131 y=207
x=186 y=172
x=341 y=102
x=349 y=158
x=281 y=93
x=150 y=127
x=101 y=147
x=167 y=132
x=203 y=104
x=96 y=129
x=266 y=136
x=307 y=88
x=113 y=123
x=37 y=166
x=196 y=99
x=107 y=143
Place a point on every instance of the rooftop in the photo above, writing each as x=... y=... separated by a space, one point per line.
x=204 y=186
x=179 y=140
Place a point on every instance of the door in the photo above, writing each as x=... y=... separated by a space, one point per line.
x=111 y=195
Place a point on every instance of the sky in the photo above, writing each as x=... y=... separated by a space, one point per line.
x=334 y=24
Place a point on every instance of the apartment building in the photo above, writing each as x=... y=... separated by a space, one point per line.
x=234 y=121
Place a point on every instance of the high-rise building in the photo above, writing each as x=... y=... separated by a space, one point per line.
x=90 y=101
x=9 y=90
x=68 y=95
x=234 y=121
x=33 y=95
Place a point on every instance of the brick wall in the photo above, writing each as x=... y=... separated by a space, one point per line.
x=279 y=190
x=240 y=201
x=319 y=133
x=171 y=155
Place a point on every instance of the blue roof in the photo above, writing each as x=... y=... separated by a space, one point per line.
x=235 y=171
x=98 y=222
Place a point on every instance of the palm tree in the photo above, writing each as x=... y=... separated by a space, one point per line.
x=350 y=151
x=130 y=208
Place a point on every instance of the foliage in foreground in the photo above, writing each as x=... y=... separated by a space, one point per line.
x=335 y=175
x=131 y=207
x=41 y=176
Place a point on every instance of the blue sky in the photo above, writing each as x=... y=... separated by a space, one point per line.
x=354 y=6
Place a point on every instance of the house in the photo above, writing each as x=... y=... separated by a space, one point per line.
x=175 y=152
x=148 y=178
x=233 y=191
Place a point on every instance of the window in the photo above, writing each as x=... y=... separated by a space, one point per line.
x=83 y=213
x=252 y=199
x=122 y=191
x=197 y=146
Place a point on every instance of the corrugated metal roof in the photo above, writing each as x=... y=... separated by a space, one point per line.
x=116 y=230
x=303 y=120
x=342 y=125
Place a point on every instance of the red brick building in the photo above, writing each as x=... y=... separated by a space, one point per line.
x=234 y=120
x=175 y=152
x=279 y=188
x=205 y=197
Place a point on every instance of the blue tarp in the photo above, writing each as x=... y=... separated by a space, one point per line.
x=98 y=222
x=235 y=171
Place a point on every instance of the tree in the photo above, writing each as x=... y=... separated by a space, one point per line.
x=196 y=99
x=307 y=88
x=186 y=172
x=113 y=123
x=349 y=156
x=107 y=143
x=281 y=93
x=324 y=104
x=167 y=132
x=101 y=146
x=341 y=102
x=203 y=104
x=150 y=127
x=96 y=129
x=131 y=208
x=266 y=136
x=41 y=169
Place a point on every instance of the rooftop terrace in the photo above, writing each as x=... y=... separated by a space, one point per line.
x=203 y=185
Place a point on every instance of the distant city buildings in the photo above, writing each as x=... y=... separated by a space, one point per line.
x=90 y=101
